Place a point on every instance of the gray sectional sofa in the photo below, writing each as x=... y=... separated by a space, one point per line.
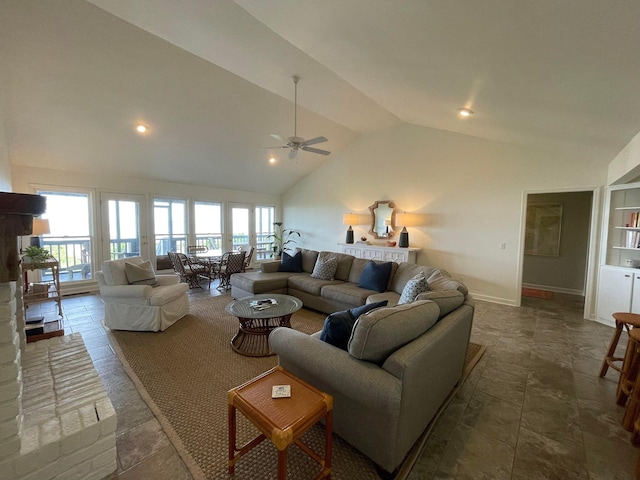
x=342 y=292
x=401 y=363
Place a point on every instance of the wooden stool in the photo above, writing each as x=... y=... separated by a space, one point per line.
x=629 y=384
x=636 y=442
x=626 y=320
x=281 y=420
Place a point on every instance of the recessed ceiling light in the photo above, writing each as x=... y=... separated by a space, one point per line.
x=141 y=128
x=272 y=160
x=465 y=112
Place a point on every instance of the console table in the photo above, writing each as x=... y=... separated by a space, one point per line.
x=379 y=252
x=32 y=297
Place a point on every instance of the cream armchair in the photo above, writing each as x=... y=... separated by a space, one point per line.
x=140 y=307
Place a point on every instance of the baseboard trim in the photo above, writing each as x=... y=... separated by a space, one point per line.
x=548 y=288
x=499 y=300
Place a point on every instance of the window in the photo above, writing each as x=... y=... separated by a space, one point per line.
x=208 y=225
x=70 y=240
x=170 y=225
x=265 y=216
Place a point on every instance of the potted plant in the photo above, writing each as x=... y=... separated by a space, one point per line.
x=36 y=256
x=281 y=238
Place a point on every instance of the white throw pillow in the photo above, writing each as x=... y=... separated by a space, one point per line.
x=142 y=274
x=413 y=288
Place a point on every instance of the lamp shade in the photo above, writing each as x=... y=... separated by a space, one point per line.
x=350 y=219
x=40 y=227
x=408 y=219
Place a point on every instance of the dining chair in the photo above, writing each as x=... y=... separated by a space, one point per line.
x=230 y=263
x=248 y=255
x=189 y=271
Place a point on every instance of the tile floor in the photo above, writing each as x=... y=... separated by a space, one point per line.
x=533 y=408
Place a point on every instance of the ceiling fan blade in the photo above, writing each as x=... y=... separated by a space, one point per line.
x=293 y=153
x=313 y=141
x=315 y=150
x=277 y=146
x=277 y=137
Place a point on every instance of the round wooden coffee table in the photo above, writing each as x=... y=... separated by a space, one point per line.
x=256 y=324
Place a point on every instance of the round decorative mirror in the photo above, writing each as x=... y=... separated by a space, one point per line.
x=383 y=219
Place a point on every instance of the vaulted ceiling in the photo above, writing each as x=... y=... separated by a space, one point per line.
x=212 y=80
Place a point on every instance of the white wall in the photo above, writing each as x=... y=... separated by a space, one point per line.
x=5 y=162
x=23 y=177
x=625 y=167
x=471 y=190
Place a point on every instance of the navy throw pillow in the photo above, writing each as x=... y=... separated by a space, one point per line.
x=337 y=326
x=355 y=312
x=375 y=276
x=291 y=263
x=337 y=329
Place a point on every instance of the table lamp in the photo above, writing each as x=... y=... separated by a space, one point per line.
x=40 y=227
x=349 y=219
x=406 y=220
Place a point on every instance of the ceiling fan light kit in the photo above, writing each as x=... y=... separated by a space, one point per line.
x=296 y=143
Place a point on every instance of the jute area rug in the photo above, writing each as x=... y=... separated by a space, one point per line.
x=184 y=374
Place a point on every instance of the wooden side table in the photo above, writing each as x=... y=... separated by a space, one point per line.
x=281 y=420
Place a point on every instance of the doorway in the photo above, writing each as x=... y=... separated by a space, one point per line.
x=123 y=226
x=558 y=257
x=241 y=225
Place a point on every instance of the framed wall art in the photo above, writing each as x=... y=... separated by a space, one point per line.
x=543 y=228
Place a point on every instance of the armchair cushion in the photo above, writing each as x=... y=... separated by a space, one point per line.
x=142 y=274
x=113 y=270
x=378 y=333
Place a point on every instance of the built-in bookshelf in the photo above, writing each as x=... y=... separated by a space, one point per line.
x=619 y=273
x=623 y=226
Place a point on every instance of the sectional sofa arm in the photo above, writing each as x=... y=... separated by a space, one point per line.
x=128 y=291
x=269 y=267
x=335 y=370
x=168 y=279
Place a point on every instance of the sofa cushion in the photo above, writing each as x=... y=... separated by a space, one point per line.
x=164 y=294
x=337 y=326
x=379 y=333
x=415 y=286
x=260 y=282
x=325 y=267
x=439 y=281
x=344 y=265
x=346 y=293
x=404 y=272
x=447 y=300
x=308 y=284
x=309 y=258
x=291 y=263
x=142 y=274
x=375 y=276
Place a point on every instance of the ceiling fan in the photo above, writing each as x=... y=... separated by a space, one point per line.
x=296 y=143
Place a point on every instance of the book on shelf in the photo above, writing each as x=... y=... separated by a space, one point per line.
x=263 y=303
x=633 y=240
